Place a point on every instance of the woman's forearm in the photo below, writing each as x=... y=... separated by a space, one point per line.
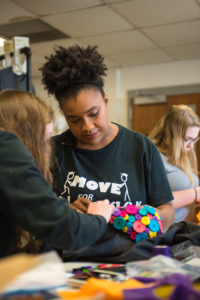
x=185 y=197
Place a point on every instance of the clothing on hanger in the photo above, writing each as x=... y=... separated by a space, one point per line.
x=10 y=80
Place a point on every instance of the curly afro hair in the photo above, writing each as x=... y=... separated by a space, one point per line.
x=72 y=66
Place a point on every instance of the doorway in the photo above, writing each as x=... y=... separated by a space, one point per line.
x=144 y=117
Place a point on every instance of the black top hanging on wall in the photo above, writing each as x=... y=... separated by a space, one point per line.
x=15 y=75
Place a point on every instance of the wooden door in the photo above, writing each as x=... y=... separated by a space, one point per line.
x=146 y=116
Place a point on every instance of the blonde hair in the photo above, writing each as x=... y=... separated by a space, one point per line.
x=169 y=133
x=26 y=116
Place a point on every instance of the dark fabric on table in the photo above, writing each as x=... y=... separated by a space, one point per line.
x=116 y=246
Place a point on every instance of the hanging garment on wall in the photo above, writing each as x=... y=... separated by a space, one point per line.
x=10 y=80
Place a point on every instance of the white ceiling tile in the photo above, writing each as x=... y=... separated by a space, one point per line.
x=109 y=63
x=11 y=12
x=126 y=41
x=128 y=32
x=47 y=48
x=113 y=1
x=87 y=22
x=184 y=52
x=44 y=7
x=145 y=13
x=140 y=58
x=175 y=34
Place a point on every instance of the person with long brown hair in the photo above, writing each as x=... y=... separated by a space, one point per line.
x=26 y=197
x=175 y=135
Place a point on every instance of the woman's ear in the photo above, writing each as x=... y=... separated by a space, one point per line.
x=106 y=98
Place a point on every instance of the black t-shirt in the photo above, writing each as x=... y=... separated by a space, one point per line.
x=129 y=170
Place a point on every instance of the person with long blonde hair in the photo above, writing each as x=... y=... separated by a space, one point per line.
x=175 y=136
x=29 y=209
x=31 y=121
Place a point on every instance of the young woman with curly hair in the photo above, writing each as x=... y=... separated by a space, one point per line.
x=96 y=158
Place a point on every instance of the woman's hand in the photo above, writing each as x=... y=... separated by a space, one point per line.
x=166 y=212
x=102 y=208
x=81 y=205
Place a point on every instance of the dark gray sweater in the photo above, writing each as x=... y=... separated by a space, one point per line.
x=26 y=199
